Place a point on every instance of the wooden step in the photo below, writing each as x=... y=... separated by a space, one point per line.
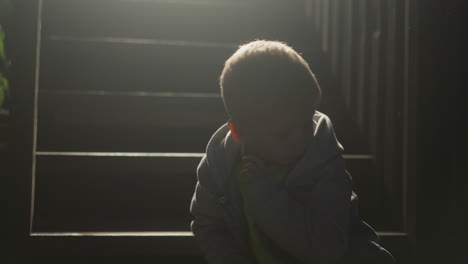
x=131 y=191
x=217 y=21
x=147 y=247
x=117 y=66
x=127 y=123
x=140 y=122
x=170 y=111
x=113 y=193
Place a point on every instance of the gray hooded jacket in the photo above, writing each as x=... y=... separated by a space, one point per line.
x=308 y=219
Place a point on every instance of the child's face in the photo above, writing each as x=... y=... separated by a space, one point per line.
x=280 y=140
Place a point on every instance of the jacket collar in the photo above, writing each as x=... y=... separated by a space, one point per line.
x=223 y=152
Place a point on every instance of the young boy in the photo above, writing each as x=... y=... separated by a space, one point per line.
x=272 y=187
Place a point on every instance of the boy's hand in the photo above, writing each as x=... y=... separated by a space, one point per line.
x=254 y=167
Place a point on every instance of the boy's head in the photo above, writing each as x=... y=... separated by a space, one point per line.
x=270 y=94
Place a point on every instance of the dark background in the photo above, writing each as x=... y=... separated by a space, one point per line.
x=418 y=193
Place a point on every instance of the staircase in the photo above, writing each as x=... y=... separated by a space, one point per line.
x=128 y=98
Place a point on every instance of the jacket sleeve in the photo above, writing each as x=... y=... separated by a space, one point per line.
x=313 y=225
x=208 y=226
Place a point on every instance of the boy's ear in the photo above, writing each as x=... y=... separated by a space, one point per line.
x=234 y=132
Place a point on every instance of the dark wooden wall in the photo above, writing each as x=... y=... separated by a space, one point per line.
x=441 y=183
x=362 y=53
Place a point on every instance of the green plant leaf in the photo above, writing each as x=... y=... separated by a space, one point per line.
x=4 y=62
x=3 y=89
x=3 y=83
x=2 y=48
x=2 y=98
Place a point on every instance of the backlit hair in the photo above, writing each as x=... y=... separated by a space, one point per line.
x=265 y=74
